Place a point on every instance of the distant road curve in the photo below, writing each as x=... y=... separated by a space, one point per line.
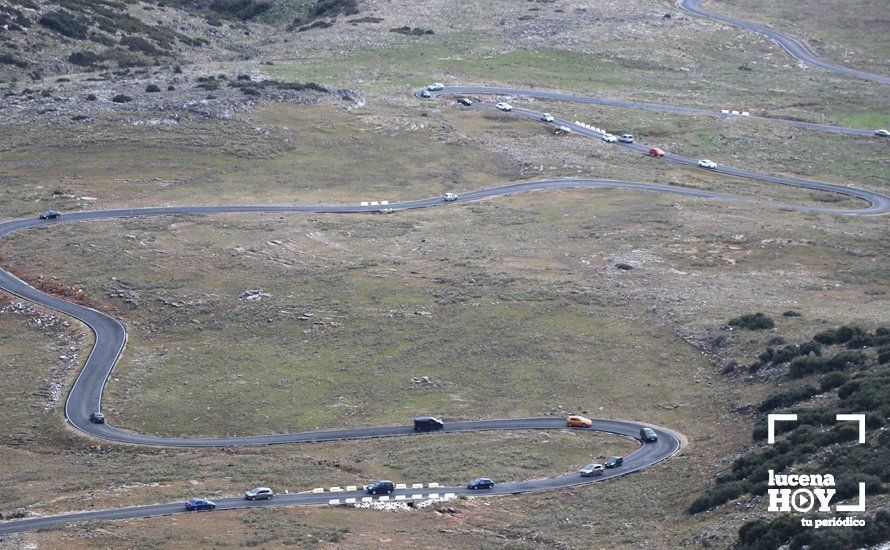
x=658 y=107
x=793 y=46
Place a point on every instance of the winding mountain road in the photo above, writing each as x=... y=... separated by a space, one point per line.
x=85 y=396
x=793 y=46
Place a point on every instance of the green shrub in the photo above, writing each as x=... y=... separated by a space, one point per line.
x=91 y=97
x=789 y=352
x=139 y=44
x=7 y=59
x=804 y=366
x=752 y=321
x=65 y=24
x=786 y=531
x=839 y=335
x=791 y=313
x=240 y=9
x=833 y=380
x=787 y=398
x=85 y=58
x=721 y=494
x=152 y=88
x=121 y=98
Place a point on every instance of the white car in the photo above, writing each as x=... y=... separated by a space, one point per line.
x=435 y=87
x=504 y=106
x=882 y=133
x=609 y=138
x=450 y=197
x=626 y=138
x=705 y=163
x=547 y=117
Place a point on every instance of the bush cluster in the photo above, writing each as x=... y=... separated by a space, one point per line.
x=752 y=321
x=787 y=398
x=8 y=59
x=804 y=366
x=782 y=355
x=786 y=532
x=240 y=9
x=65 y=24
x=411 y=31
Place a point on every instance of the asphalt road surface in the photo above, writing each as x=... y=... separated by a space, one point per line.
x=645 y=456
x=791 y=45
x=560 y=96
x=85 y=396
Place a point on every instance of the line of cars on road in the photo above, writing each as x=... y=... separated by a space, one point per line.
x=430 y=424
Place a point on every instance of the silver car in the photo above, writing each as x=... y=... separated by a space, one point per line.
x=592 y=470
x=259 y=493
x=450 y=197
x=626 y=138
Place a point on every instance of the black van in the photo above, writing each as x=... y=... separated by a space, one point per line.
x=427 y=424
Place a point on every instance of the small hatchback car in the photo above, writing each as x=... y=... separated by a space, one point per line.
x=576 y=421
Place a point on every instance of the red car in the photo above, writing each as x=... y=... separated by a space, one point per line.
x=656 y=152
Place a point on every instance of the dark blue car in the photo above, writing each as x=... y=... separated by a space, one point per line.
x=480 y=483
x=199 y=504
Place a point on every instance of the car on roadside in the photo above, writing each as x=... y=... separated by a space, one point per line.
x=609 y=138
x=547 y=117
x=259 y=493
x=626 y=138
x=450 y=197
x=199 y=505
x=436 y=87
x=425 y=94
x=614 y=461
x=709 y=164
x=382 y=487
x=49 y=215
x=480 y=483
x=428 y=423
x=656 y=152
x=97 y=418
x=648 y=435
x=577 y=421
x=882 y=133
x=592 y=470
x=504 y=106
x=464 y=101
